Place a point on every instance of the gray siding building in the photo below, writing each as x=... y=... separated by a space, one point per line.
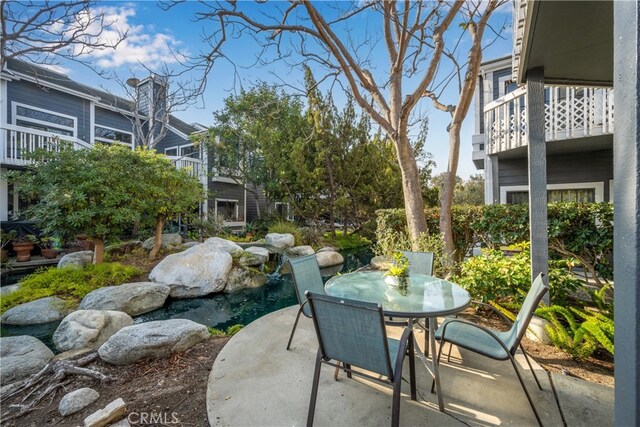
x=579 y=139
x=38 y=105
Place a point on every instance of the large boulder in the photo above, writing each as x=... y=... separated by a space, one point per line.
x=224 y=245
x=328 y=249
x=43 y=310
x=152 y=340
x=280 y=241
x=382 y=262
x=22 y=356
x=254 y=255
x=243 y=278
x=297 y=251
x=196 y=272
x=132 y=298
x=167 y=241
x=329 y=258
x=89 y=328
x=77 y=400
x=76 y=259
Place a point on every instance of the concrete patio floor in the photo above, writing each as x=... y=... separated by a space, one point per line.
x=256 y=382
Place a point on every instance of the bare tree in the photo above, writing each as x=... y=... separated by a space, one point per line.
x=413 y=35
x=45 y=31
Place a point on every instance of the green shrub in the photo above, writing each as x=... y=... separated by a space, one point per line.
x=69 y=283
x=311 y=236
x=494 y=276
x=286 y=227
x=214 y=332
x=232 y=330
x=346 y=241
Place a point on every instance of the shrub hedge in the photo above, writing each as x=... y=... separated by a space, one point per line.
x=580 y=231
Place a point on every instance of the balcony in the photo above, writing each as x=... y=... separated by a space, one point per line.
x=570 y=113
x=17 y=142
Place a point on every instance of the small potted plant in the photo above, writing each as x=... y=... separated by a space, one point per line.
x=23 y=246
x=398 y=275
x=5 y=238
x=46 y=247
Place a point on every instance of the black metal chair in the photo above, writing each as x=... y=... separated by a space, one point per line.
x=494 y=344
x=306 y=277
x=353 y=333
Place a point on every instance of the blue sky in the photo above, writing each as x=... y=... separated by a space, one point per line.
x=154 y=34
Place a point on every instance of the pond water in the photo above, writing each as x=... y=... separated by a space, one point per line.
x=218 y=310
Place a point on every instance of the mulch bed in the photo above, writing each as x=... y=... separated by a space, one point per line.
x=175 y=387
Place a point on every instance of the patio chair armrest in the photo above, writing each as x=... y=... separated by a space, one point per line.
x=406 y=340
x=495 y=310
x=474 y=325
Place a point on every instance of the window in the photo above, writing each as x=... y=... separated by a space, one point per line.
x=282 y=210
x=43 y=120
x=109 y=136
x=227 y=209
x=171 y=151
x=584 y=195
x=189 y=151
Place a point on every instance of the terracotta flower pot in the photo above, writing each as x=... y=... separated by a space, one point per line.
x=23 y=251
x=49 y=253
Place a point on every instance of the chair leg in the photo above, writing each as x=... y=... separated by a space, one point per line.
x=526 y=357
x=524 y=387
x=397 y=390
x=426 y=337
x=412 y=369
x=449 y=354
x=314 y=390
x=295 y=324
x=347 y=370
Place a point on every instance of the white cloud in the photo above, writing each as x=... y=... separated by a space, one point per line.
x=141 y=46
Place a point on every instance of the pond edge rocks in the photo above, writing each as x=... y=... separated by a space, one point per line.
x=22 y=356
x=43 y=310
x=89 y=328
x=131 y=298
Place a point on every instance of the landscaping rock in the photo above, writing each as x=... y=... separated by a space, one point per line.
x=123 y=248
x=280 y=241
x=537 y=330
x=71 y=354
x=22 y=356
x=131 y=298
x=224 y=245
x=196 y=272
x=242 y=278
x=76 y=259
x=381 y=262
x=328 y=249
x=43 y=310
x=77 y=400
x=107 y=415
x=254 y=255
x=6 y=290
x=329 y=258
x=167 y=241
x=89 y=328
x=188 y=245
x=152 y=340
x=297 y=251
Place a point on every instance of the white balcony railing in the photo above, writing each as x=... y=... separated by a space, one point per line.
x=570 y=112
x=18 y=143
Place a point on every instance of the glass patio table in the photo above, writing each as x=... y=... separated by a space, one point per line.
x=427 y=297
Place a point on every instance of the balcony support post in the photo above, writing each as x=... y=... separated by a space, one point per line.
x=537 y=151
x=491 y=183
x=626 y=213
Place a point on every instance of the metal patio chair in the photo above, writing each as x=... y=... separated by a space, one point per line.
x=306 y=277
x=494 y=344
x=421 y=263
x=353 y=333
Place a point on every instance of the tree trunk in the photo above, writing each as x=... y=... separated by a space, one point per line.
x=158 y=242
x=332 y=194
x=446 y=198
x=413 y=205
x=98 y=251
